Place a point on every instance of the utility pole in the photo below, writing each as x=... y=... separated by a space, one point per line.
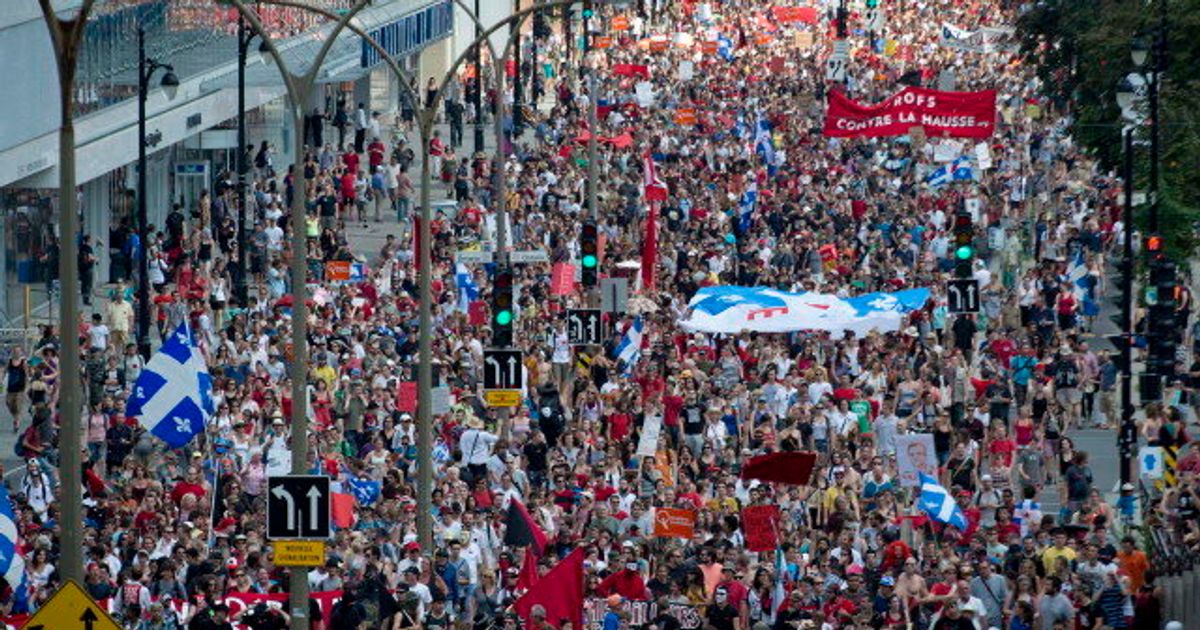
x=518 y=90
x=1157 y=67
x=67 y=36
x=244 y=39
x=143 y=227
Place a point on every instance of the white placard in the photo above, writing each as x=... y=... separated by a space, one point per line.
x=648 y=443
x=915 y=453
x=983 y=156
x=947 y=150
x=686 y=70
x=439 y=400
x=644 y=91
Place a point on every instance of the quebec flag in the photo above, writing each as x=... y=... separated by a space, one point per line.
x=958 y=170
x=366 y=491
x=12 y=565
x=629 y=350
x=172 y=398
x=725 y=48
x=939 y=505
x=468 y=291
x=764 y=145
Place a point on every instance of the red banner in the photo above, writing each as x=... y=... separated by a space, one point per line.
x=957 y=114
x=787 y=15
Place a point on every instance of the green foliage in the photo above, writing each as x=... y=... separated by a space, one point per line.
x=1081 y=52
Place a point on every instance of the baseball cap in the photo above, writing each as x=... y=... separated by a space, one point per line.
x=887 y=580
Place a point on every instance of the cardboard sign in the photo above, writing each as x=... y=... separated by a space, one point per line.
x=760 y=527
x=648 y=440
x=658 y=43
x=406 y=396
x=603 y=41
x=803 y=39
x=674 y=523
x=620 y=23
x=562 y=279
x=477 y=313
x=686 y=70
x=915 y=453
x=685 y=116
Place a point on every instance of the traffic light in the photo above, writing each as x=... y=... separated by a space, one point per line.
x=1162 y=328
x=963 y=245
x=871 y=4
x=541 y=26
x=502 y=308
x=589 y=254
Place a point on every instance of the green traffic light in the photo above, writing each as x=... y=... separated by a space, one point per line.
x=587 y=13
x=504 y=318
x=589 y=261
x=963 y=253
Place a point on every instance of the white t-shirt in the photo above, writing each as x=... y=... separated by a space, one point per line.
x=98 y=337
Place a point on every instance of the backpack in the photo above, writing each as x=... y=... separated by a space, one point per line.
x=19 y=447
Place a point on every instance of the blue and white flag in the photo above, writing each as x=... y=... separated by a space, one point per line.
x=764 y=144
x=172 y=397
x=939 y=505
x=1082 y=284
x=780 y=592
x=12 y=565
x=740 y=128
x=733 y=309
x=958 y=170
x=725 y=48
x=746 y=207
x=468 y=291
x=366 y=491
x=629 y=350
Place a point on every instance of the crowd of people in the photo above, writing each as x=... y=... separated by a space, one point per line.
x=999 y=392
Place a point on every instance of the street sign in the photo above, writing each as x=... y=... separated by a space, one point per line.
x=298 y=507
x=71 y=608
x=583 y=326
x=299 y=553
x=529 y=256
x=502 y=397
x=502 y=369
x=962 y=295
x=614 y=294
x=475 y=257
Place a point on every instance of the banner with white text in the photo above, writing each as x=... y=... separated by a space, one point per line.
x=957 y=114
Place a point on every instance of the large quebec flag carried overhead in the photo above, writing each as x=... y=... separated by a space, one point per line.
x=172 y=398
x=761 y=309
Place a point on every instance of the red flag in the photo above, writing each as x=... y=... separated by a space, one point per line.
x=342 y=509
x=529 y=575
x=793 y=468
x=417 y=243
x=650 y=247
x=655 y=189
x=560 y=592
x=520 y=530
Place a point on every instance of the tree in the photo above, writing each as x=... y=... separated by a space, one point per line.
x=1081 y=52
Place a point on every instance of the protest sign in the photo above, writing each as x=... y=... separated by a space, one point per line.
x=915 y=453
x=648 y=441
x=406 y=396
x=674 y=523
x=760 y=523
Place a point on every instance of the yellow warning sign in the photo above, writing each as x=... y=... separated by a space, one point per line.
x=299 y=553
x=70 y=608
x=502 y=397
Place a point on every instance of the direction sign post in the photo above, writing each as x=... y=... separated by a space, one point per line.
x=583 y=327
x=298 y=507
x=962 y=295
x=502 y=369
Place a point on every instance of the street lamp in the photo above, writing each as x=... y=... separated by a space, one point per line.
x=245 y=38
x=1126 y=94
x=170 y=85
x=1139 y=51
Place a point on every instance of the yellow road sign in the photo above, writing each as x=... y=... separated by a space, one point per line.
x=70 y=608
x=299 y=553
x=502 y=397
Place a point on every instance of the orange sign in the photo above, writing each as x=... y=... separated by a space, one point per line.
x=603 y=41
x=708 y=47
x=674 y=523
x=620 y=23
x=658 y=43
x=762 y=39
x=685 y=116
x=337 y=271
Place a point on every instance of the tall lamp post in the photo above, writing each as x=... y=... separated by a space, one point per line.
x=1127 y=435
x=245 y=38
x=478 y=48
x=170 y=84
x=66 y=35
